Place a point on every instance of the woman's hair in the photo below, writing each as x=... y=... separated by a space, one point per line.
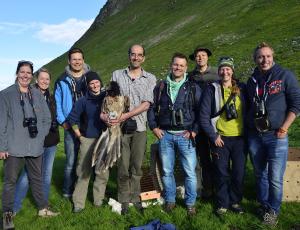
x=24 y=63
x=235 y=90
x=42 y=70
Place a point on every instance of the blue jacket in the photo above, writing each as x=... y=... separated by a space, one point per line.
x=187 y=100
x=211 y=104
x=64 y=93
x=86 y=115
x=282 y=95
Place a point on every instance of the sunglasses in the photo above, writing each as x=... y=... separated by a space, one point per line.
x=23 y=62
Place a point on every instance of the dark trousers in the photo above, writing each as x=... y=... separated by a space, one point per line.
x=229 y=170
x=206 y=165
x=133 y=147
x=12 y=167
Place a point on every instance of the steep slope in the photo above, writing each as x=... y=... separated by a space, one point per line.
x=231 y=28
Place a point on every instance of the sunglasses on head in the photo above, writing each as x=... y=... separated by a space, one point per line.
x=22 y=62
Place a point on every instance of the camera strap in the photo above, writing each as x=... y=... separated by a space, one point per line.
x=231 y=97
x=22 y=103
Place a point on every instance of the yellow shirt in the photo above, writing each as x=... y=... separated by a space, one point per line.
x=233 y=127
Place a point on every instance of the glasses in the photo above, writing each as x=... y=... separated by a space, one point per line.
x=136 y=55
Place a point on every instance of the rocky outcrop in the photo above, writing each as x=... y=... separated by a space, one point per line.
x=110 y=8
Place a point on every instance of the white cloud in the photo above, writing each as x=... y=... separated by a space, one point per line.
x=65 y=33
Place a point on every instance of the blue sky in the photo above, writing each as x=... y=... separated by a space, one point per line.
x=39 y=31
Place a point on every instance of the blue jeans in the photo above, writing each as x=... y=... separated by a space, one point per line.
x=269 y=155
x=187 y=156
x=23 y=183
x=71 y=151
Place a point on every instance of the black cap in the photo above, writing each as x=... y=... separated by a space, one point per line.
x=197 y=49
x=90 y=76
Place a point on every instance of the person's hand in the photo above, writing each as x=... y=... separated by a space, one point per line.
x=281 y=133
x=124 y=117
x=219 y=142
x=189 y=135
x=66 y=126
x=3 y=155
x=109 y=122
x=158 y=133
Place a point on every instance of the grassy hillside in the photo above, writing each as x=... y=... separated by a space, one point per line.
x=227 y=27
x=231 y=28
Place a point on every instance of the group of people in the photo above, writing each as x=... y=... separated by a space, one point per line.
x=207 y=117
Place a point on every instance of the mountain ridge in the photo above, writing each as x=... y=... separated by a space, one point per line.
x=228 y=28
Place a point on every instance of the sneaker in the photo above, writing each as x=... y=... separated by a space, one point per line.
x=270 y=218
x=7 y=221
x=125 y=208
x=221 y=211
x=169 y=207
x=67 y=196
x=98 y=204
x=46 y=212
x=261 y=211
x=77 y=210
x=237 y=208
x=191 y=210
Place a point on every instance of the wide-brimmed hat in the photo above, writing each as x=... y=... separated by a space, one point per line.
x=197 y=49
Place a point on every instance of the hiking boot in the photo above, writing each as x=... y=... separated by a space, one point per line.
x=125 y=208
x=221 y=211
x=270 y=218
x=169 y=207
x=138 y=206
x=191 y=210
x=46 y=212
x=237 y=208
x=77 y=210
x=7 y=221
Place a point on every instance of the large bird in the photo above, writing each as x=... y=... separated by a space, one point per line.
x=108 y=147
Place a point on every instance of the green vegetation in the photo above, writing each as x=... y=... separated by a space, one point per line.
x=104 y=219
x=231 y=28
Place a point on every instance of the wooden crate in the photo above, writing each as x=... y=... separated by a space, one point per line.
x=149 y=190
x=291 y=180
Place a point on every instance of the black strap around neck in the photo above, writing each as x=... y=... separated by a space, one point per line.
x=231 y=97
x=22 y=102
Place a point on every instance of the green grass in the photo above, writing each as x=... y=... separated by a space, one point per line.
x=104 y=218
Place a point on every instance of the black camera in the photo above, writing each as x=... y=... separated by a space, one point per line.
x=261 y=120
x=230 y=112
x=260 y=108
x=31 y=123
x=177 y=117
